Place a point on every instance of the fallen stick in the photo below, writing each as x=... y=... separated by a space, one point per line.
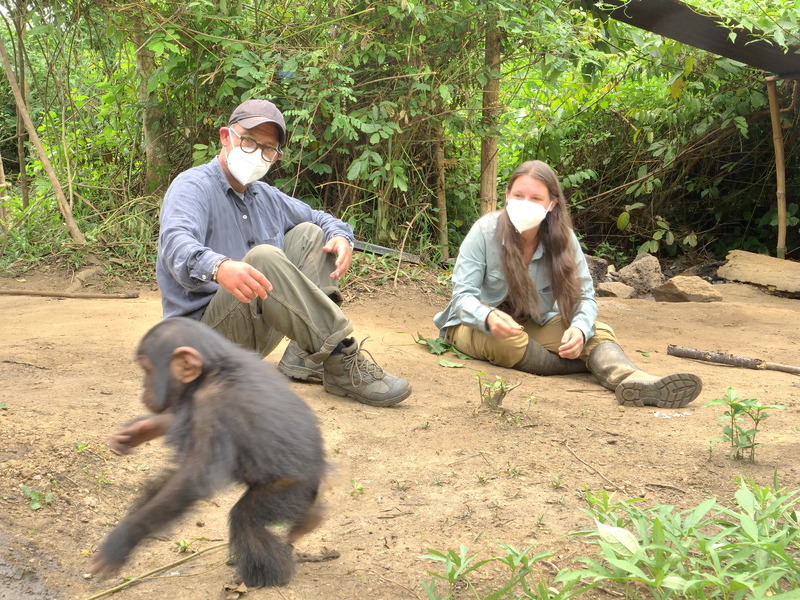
x=66 y=294
x=730 y=359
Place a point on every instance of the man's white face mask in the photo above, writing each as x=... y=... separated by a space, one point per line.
x=247 y=168
x=524 y=214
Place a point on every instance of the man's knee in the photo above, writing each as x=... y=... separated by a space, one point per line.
x=262 y=255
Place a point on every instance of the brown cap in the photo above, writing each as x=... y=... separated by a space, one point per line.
x=252 y=113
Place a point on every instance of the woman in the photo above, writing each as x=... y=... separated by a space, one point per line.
x=523 y=298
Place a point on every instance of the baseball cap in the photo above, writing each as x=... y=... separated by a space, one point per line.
x=252 y=113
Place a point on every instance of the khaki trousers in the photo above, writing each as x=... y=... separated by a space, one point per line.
x=301 y=305
x=508 y=352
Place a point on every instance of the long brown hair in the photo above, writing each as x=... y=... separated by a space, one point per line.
x=555 y=237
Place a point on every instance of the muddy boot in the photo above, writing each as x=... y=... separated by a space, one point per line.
x=348 y=372
x=296 y=364
x=634 y=387
x=540 y=361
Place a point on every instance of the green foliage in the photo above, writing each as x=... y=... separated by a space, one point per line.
x=457 y=566
x=493 y=392
x=125 y=92
x=742 y=420
x=710 y=551
x=36 y=498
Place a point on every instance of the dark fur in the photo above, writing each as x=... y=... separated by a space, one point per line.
x=238 y=422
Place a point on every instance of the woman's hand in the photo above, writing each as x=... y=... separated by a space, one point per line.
x=571 y=343
x=502 y=325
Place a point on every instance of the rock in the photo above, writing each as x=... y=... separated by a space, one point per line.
x=686 y=288
x=598 y=267
x=774 y=273
x=615 y=289
x=643 y=274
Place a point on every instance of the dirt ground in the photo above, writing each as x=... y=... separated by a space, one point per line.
x=435 y=472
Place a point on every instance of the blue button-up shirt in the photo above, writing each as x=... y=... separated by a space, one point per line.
x=479 y=282
x=203 y=220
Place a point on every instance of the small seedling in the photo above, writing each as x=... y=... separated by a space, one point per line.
x=3 y=406
x=492 y=394
x=356 y=489
x=183 y=546
x=742 y=420
x=81 y=446
x=37 y=498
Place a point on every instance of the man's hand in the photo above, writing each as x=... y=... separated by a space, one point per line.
x=243 y=280
x=571 y=343
x=340 y=246
x=502 y=325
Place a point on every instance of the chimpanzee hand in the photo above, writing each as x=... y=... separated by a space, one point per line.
x=140 y=431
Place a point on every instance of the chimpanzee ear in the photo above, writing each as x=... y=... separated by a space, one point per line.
x=186 y=364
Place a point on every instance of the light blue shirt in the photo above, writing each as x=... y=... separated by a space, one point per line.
x=479 y=282
x=203 y=220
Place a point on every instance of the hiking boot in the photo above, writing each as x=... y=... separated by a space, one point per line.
x=350 y=373
x=296 y=364
x=634 y=387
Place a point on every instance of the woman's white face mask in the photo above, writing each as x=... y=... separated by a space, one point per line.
x=524 y=214
x=246 y=168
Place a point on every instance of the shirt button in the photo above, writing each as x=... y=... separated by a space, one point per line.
x=203 y=277
x=244 y=216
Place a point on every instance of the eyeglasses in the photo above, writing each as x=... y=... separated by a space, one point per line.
x=249 y=145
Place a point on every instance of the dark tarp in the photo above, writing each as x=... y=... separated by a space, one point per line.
x=681 y=23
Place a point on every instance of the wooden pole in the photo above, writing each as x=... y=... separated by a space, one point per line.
x=63 y=205
x=780 y=167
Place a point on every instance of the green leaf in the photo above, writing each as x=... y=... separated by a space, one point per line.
x=451 y=365
x=621 y=541
x=623 y=220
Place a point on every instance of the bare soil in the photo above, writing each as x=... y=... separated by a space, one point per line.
x=437 y=471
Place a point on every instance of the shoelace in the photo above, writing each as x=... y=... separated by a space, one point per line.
x=361 y=367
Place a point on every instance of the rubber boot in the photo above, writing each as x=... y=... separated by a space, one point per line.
x=537 y=360
x=634 y=387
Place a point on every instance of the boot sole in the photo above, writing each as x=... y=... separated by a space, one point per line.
x=672 y=391
x=300 y=373
x=339 y=391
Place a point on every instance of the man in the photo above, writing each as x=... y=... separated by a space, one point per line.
x=257 y=265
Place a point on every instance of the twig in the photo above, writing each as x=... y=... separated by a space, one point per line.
x=669 y=487
x=67 y=294
x=403 y=243
x=153 y=572
x=592 y=468
x=744 y=362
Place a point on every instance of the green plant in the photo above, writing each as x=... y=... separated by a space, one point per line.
x=182 y=546
x=458 y=566
x=356 y=489
x=37 y=498
x=711 y=551
x=493 y=393
x=742 y=420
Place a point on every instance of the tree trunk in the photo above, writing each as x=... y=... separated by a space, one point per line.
x=441 y=199
x=3 y=213
x=63 y=205
x=19 y=27
x=491 y=94
x=780 y=167
x=156 y=172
